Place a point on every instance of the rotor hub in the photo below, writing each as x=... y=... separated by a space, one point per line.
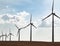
x=10 y=33
x=31 y=23
x=53 y=13
x=19 y=29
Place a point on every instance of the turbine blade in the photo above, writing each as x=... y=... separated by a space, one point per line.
x=31 y=18
x=34 y=26
x=26 y=26
x=52 y=6
x=46 y=17
x=16 y=26
x=57 y=16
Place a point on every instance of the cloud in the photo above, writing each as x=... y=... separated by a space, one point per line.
x=5 y=18
x=18 y=18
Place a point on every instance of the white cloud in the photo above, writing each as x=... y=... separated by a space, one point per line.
x=18 y=19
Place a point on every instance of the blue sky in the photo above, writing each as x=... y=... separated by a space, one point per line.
x=36 y=7
x=18 y=12
x=31 y=6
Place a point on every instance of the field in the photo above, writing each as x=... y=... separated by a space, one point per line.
x=27 y=43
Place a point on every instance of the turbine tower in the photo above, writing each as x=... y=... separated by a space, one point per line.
x=10 y=35
x=19 y=29
x=31 y=24
x=53 y=14
x=0 y=37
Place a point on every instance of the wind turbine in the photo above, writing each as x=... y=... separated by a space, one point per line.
x=2 y=36
x=31 y=24
x=5 y=36
x=19 y=29
x=10 y=35
x=53 y=14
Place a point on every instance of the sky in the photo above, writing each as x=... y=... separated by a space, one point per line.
x=18 y=12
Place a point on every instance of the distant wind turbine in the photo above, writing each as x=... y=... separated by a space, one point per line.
x=6 y=36
x=10 y=35
x=2 y=36
x=19 y=29
x=53 y=14
x=31 y=24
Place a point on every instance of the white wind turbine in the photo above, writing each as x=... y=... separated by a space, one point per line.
x=31 y=25
x=19 y=29
x=6 y=36
x=2 y=36
x=10 y=35
x=53 y=14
